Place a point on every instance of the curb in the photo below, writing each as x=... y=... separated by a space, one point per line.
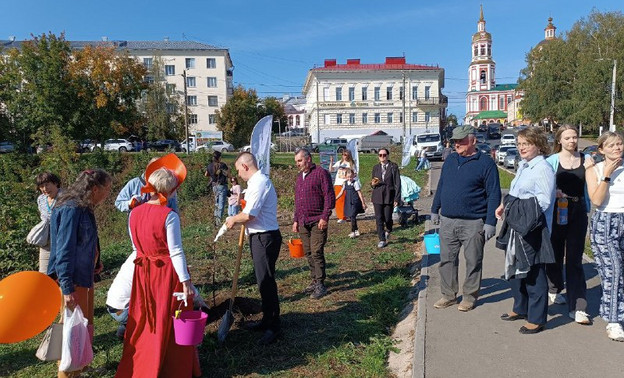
x=418 y=363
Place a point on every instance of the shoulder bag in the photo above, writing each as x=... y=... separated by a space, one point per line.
x=52 y=343
x=40 y=234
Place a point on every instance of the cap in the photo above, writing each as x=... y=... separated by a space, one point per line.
x=171 y=162
x=460 y=132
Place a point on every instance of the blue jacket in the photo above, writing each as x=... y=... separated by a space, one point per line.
x=133 y=188
x=73 y=246
x=553 y=160
x=468 y=190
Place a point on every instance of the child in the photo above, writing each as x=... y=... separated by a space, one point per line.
x=234 y=198
x=354 y=201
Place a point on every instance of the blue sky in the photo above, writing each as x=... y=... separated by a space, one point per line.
x=273 y=44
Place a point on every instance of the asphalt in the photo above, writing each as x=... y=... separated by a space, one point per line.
x=450 y=343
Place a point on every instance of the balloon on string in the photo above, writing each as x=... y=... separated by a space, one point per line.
x=29 y=303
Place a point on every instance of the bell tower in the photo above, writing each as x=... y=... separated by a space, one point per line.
x=481 y=72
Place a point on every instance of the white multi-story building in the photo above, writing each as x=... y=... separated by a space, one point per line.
x=208 y=72
x=359 y=99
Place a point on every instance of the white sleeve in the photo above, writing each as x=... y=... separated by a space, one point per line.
x=174 y=242
x=134 y=250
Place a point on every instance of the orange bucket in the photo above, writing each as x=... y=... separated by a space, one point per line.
x=243 y=203
x=296 y=248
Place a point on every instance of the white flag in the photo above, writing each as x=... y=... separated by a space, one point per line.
x=405 y=160
x=261 y=143
x=353 y=148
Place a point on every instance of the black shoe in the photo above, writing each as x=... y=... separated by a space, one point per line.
x=512 y=317
x=310 y=288
x=269 y=337
x=255 y=326
x=319 y=291
x=527 y=331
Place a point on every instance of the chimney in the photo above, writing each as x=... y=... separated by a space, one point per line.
x=353 y=62
x=330 y=63
x=395 y=60
x=104 y=39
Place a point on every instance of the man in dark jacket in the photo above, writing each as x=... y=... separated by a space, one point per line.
x=467 y=196
x=386 y=195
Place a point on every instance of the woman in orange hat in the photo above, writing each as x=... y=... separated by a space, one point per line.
x=160 y=270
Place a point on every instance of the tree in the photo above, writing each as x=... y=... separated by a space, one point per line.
x=451 y=119
x=161 y=106
x=237 y=118
x=271 y=105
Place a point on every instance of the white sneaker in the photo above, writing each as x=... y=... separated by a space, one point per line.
x=381 y=244
x=352 y=235
x=615 y=331
x=581 y=317
x=356 y=233
x=557 y=298
x=340 y=220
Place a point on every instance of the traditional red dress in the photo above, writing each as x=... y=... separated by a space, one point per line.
x=149 y=346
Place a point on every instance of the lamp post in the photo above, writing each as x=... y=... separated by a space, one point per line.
x=186 y=127
x=611 y=123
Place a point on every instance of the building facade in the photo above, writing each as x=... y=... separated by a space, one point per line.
x=208 y=70
x=295 y=110
x=487 y=101
x=358 y=99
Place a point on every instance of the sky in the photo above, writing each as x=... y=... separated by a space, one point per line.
x=274 y=43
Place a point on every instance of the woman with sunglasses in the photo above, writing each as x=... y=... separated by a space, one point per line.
x=386 y=184
x=341 y=176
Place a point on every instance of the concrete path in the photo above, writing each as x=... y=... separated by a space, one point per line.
x=450 y=343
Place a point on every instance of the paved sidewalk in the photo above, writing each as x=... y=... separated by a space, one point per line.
x=450 y=343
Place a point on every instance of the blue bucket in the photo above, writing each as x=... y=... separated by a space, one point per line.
x=432 y=243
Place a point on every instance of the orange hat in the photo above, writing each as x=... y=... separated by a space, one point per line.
x=171 y=162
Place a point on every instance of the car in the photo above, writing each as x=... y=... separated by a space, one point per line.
x=510 y=158
x=494 y=131
x=494 y=152
x=312 y=147
x=121 y=145
x=87 y=145
x=507 y=139
x=593 y=152
x=482 y=127
x=502 y=152
x=220 y=146
x=6 y=147
x=517 y=161
x=481 y=137
x=339 y=143
x=292 y=133
x=247 y=148
x=164 y=145
x=484 y=148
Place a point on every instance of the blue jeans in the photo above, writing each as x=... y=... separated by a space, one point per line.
x=119 y=315
x=220 y=193
x=233 y=210
x=421 y=164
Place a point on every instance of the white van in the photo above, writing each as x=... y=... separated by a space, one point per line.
x=507 y=139
x=431 y=142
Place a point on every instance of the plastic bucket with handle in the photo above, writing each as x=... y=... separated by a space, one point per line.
x=188 y=327
x=295 y=246
x=432 y=243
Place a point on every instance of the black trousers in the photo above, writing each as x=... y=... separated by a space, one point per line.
x=530 y=295
x=383 y=217
x=265 y=248
x=568 y=242
x=354 y=226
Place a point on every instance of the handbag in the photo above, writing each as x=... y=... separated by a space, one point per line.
x=40 y=234
x=52 y=343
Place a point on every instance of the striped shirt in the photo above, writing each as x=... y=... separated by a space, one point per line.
x=314 y=196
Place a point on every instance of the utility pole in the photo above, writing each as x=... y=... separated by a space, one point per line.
x=404 y=114
x=188 y=144
x=611 y=124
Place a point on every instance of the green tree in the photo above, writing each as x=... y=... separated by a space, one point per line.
x=271 y=105
x=451 y=119
x=237 y=118
x=161 y=106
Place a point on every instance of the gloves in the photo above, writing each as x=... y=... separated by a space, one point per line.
x=435 y=219
x=489 y=231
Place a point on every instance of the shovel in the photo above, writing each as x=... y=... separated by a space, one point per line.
x=228 y=318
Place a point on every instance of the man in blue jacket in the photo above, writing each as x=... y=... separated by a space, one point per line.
x=468 y=193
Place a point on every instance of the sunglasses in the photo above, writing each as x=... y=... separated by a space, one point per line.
x=382 y=155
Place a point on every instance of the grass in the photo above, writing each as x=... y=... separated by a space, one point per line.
x=346 y=333
x=505 y=178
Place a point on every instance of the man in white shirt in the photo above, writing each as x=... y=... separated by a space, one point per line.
x=265 y=241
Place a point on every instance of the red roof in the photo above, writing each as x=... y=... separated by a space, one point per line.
x=392 y=63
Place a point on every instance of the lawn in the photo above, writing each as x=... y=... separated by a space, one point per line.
x=345 y=333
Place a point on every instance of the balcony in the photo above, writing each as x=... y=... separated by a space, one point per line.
x=432 y=101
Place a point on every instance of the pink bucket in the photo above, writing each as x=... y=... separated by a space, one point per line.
x=189 y=327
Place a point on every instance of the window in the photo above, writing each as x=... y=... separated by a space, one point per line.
x=352 y=118
x=364 y=117
x=190 y=82
x=351 y=94
x=389 y=93
x=169 y=70
x=326 y=119
x=501 y=103
x=325 y=94
x=483 y=76
x=338 y=94
x=149 y=79
x=191 y=100
x=389 y=117
x=190 y=63
x=212 y=82
x=364 y=93
x=213 y=101
x=211 y=63
x=401 y=93
x=170 y=88
x=290 y=120
x=483 y=104
x=482 y=49
x=212 y=119
x=427 y=92
x=427 y=116
x=170 y=108
x=377 y=93
x=192 y=118
x=148 y=62
x=401 y=117
x=475 y=51
x=414 y=116
x=377 y=117
x=415 y=92
x=508 y=99
x=298 y=122
x=338 y=118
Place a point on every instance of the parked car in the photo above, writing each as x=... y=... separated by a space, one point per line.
x=312 y=147
x=6 y=147
x=339 y=143
x=494 y=152
x=482 y=127
x=507 y=139
x=292 y=133
x=169 y=145
x=217 y=145
x=484 y=148
x=510 y=158
x=502 y=152
x=87 y=145
x=247 y=148
x=593 y=152
x=121 y=145
x=494 y=131
x=517 y=161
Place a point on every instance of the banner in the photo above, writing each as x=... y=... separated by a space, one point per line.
x=261 y=143
x=406 y=157
x=353 y=147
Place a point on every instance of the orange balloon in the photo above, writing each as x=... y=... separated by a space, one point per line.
x=29 y=303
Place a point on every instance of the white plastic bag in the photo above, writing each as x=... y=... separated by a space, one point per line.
x=77 y=351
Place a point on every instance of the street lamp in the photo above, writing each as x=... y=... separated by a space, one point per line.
x=612 y=112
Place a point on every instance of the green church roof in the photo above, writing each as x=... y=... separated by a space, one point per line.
x=487 y=114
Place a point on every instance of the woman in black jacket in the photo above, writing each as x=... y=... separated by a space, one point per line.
x=386 y=186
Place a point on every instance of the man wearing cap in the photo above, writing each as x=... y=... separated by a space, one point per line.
x=265 y=240
x=218 y=173
x=468 y=193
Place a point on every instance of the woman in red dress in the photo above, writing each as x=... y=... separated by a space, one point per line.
x=160 y=270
